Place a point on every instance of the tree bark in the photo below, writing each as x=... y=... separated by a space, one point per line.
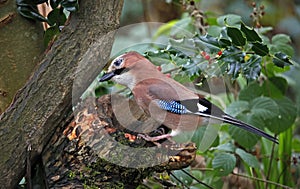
x=103 y=153
x=43 y=104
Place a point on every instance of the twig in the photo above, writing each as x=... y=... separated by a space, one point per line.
x=182 y=183
x=199 y=181
x=270 y=164
x=262 y=180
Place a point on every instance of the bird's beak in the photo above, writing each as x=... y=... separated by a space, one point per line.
x=107 y=76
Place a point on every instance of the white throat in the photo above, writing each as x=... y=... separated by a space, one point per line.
x=125 y=79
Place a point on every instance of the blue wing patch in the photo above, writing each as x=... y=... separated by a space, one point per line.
x=172 y=106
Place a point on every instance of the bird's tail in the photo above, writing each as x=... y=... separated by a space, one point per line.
x=233 y=121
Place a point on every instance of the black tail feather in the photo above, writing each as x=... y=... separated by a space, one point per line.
x=231 y=120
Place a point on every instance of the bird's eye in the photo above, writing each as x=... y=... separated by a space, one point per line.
x=118 y=62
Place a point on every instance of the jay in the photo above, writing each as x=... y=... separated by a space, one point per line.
x=166 y=100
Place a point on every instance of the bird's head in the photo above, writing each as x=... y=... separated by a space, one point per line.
x=127 y=68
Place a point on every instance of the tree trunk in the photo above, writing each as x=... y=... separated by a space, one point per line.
x=43 y=104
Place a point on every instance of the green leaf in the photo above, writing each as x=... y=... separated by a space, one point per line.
x=236 y=36
x=235 y=68
x=158 y=58
x=252 y=91
x=260 y=49
x=274 y=87
x=251 y=68
x=214 y=31
x=281 y=43
x=280 y=59
x=50 y=33
x=183 y=177
x=228 y=147
x=264 y=107
x=206 y=137
x=183 y=28
x=250 y=34
x=165 y=29
x=54 y=3
x=261 y=109
x=179 y=60
x=243 y=137
x=36 y=2
x=229 y=19
x=70 y=5
x=233 y=57
x=184 y=45
x=237 y=107
x=247 y=158
x=29 y=12
x=224 y=40
x=285 y=117
x=224 y=162
x=207 y=43
x=57 y=16
x=194 y=68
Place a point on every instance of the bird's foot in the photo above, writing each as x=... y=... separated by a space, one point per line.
x=155 y=139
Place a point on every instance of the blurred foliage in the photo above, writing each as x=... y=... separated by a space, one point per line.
x=55 y=19
x=259 y=64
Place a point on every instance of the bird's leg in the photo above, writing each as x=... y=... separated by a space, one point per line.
x=155 y=138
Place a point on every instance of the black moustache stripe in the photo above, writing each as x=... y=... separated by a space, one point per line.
x=120 y=70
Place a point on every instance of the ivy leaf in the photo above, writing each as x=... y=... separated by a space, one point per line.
x=250 y=34
x=224 y=162
x=236 y=36
x=247 y=158
x=260 y=49
x=280 y=59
